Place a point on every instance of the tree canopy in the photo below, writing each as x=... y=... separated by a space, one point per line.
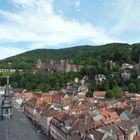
x=105 y=59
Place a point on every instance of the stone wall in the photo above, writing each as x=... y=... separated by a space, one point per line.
x=52 y=66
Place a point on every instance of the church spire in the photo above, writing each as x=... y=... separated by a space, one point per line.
x=7 y=80
x=7 y=108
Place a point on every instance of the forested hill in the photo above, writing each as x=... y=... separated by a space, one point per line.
x=79 y=55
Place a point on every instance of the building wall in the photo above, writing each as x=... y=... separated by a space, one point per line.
x=43 y=123
x=37 y=117
x=58 y=134
x=131 y=135
x=30 y=112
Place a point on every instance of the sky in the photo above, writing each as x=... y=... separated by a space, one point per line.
x=33 y=24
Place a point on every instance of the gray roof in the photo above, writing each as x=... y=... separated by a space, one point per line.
x=129 y=114
x=113 y=137
x=97 y=117
x=17 y=128
x=112 y=129
x=97 y=134
x=72 y=90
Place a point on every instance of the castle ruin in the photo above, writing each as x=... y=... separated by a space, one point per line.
x=56 y=66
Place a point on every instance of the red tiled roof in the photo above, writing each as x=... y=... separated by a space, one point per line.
x=56 y=98
x=66 y=100
x=100 y=93
x=136 y=137
x=108 y=117
x=26 y=95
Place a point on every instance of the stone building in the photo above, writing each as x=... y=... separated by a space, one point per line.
x=59 y=65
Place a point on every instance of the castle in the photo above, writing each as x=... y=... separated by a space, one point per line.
x=56 y=66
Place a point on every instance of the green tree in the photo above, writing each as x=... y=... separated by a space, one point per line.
x=40 y=87
x=135 y=52
x=118 y=93
x=109 y=94
x=132 y=87
x=138 y=87
x=112 y=82
x=89 y=94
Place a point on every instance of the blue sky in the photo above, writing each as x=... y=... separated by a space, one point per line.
x=32 y=24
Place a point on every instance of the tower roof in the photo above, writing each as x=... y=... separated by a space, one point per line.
x=7 y=88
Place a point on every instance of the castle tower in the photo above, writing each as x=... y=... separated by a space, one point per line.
x=39 y=64
x=7 y=107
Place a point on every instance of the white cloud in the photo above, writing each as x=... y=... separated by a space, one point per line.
x=37 y=46
x=10 y=51
x=128 y=16
x=37 y=22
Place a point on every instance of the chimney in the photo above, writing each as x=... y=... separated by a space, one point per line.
x=86 y=119
x=92 y=136
x=111 y=131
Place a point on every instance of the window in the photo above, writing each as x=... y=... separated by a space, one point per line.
x=7 y=111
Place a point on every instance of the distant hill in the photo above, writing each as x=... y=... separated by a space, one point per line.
x=79 y=55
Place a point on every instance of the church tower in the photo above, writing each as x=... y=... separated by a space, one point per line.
x=7 y=107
